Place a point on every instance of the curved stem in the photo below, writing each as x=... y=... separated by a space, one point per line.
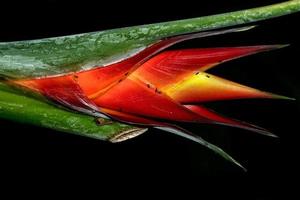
x=227 y=19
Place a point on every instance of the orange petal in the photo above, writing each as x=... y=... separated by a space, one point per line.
x=133 y=97
x=96 y=81
x=172 y=66
x=61 y=89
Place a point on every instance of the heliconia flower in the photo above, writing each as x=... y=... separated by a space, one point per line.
x=168 y=86
x=133 y=80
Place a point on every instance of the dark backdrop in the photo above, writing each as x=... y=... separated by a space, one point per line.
x=28 y=151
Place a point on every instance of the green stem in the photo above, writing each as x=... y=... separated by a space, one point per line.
x=66 y=54
x=227 y=19
x=20 y=108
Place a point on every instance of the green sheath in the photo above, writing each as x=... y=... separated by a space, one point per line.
x=59 y=55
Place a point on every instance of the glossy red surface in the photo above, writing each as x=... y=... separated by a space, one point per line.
x=146 y=89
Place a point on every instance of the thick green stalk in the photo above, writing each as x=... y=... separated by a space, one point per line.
x=17 y=107
x=78 y=52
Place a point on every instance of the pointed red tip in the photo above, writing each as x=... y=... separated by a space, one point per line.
x=222 y=120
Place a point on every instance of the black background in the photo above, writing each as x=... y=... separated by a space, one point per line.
x=32 y=153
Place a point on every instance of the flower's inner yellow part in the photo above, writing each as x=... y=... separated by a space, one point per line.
x=204 y=87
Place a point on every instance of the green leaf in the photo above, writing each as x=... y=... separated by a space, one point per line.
x=58 y=55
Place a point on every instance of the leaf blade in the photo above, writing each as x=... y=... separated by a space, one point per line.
x=66 y=54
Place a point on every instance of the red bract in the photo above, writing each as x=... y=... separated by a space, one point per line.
x=156 y=89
